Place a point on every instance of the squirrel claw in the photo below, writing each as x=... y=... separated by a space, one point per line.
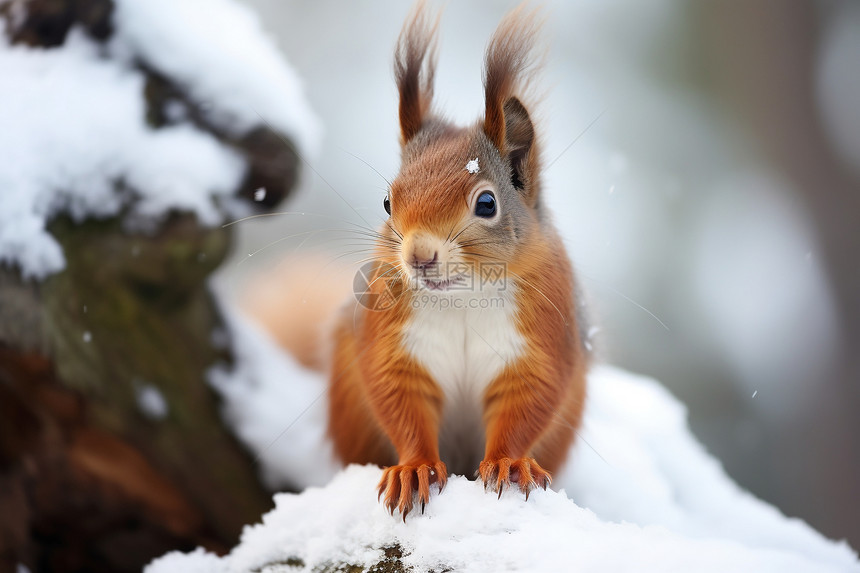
x=526 y=473
x=402 y=484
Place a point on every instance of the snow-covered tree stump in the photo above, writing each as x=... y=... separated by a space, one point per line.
x=130 y=133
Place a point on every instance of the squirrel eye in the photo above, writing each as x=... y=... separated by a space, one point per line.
x=485 y=206
x=386 y=203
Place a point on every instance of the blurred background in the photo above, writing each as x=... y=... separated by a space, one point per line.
x=704 y=168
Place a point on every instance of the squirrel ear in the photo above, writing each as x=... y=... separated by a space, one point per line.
x=519 y=139
x=510 y=65
x=414 y=68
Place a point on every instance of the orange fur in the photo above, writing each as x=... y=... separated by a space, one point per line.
x=385 y=406
x=382 y=397
x=535 y=405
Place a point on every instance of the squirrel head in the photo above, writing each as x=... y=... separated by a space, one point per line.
x=465 y=199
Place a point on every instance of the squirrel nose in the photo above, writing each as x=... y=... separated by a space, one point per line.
x=421 y=262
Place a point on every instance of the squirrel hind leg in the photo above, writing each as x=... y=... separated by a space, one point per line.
x=354 y=430
x=554 y=445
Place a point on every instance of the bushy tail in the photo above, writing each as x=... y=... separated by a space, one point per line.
x=297 y=303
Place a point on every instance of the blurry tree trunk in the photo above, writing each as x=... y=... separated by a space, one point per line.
x=764 y=56
x=96 y=474
x=91 y=481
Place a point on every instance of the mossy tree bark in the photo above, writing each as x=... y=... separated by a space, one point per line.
x=90 y=480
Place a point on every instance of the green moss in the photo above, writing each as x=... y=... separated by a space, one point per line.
x=131 y=309
x=392 y=562
x=279 y=566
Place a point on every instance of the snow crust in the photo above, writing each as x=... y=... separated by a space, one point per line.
x=638 y=492
x=75 y=138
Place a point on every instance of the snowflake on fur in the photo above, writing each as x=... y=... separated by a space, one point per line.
x=472 y=166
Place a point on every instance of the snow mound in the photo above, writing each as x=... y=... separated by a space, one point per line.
x=219 y=52
x=637 y=461
x=466 y=529
x=638 y=492
x=75 y=138
x=277 y=408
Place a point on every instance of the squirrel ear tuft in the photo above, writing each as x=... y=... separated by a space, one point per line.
x=510 y=65
x=414 y=68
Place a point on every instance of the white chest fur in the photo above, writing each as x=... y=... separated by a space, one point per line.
x=464 y=342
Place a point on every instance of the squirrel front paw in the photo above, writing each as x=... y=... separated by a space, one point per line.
x=400 y=483
x=525 y=472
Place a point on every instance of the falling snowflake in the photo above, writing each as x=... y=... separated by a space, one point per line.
x=472 y=166
x=260 y=194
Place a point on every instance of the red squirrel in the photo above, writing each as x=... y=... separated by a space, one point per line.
x=477 y=363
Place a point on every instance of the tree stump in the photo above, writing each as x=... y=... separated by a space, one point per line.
x=112 y=447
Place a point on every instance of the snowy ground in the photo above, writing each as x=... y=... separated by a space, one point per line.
x=465 y=529
x=639 y=492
